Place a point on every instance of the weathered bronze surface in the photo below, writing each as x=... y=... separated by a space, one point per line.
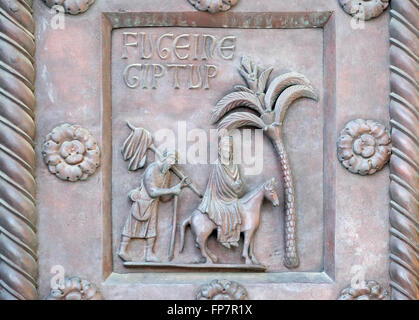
x=169 y=70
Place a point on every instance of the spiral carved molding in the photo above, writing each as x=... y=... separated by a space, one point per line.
x=18 y=240
x=404 y=162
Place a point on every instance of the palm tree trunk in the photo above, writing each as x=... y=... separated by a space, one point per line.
x=291 y=259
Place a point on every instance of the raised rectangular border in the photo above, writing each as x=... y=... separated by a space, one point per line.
x=279 y=20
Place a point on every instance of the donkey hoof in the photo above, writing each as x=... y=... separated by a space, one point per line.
x=214 y=259
x=203 y=260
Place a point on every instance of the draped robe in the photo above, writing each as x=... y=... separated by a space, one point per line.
x=221 y=201
x=141 y=223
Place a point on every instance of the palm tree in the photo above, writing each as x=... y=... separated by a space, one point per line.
x=270 y=104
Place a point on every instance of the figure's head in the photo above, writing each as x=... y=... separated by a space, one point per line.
x=225 y=149
x=271 y=192
x=169 y=158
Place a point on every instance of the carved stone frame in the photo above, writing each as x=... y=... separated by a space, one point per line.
x=324 y=20
x=18 y=216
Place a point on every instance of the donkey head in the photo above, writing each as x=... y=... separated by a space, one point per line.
x=271 y=192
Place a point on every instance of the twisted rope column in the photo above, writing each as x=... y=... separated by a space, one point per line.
x=18 y=240
x=404 y=162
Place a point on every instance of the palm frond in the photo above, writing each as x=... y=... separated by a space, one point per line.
x=282 y=82
x=263 y=79
x=243 y=88
x=288 y=96
x=240 y=119
x=235 y=100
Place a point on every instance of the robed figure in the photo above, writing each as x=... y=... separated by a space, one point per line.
x=221 y=198
x=141 y=222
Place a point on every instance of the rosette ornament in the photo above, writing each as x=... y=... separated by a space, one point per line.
x=364 y=146
x=71 y=152
x=74 y=288
x=364 y=9
x=71 y=6
x=213 y=6
x=367 y=290
x=222 y=290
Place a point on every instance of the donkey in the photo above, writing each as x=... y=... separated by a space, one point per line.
x=202 y=226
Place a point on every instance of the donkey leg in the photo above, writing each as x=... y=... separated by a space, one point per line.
x=214 y=258
x=202 y=228
x=246 y=244
x=252 y=253
x=202 y=243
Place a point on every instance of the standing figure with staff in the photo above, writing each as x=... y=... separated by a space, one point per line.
x=154 y=187
x=141 y=223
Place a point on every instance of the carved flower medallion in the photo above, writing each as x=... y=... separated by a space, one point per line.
x=364 y=9
x=222 y=290
x=71 y=6
x=367 y=290
x=213 y=6
x=364 y=146
x=71 y=152
x=74 y=288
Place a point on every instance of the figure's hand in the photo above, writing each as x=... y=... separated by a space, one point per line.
x=177 y=189
x=186 y=181
x=182 y=184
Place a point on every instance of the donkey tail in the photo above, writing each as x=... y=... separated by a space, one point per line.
x=185 y=223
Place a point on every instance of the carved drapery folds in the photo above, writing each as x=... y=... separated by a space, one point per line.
x=364 y=9
x=74 y=288
x=71 y=152
x=366 y=290
x=213 y=6
x=71 y=6
x=18 y=240
x=222 y=290
x=364 y=146
x=404 y=165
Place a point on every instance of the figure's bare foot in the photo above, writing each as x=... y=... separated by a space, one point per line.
x=150 y=257
x=234 y=244
x=124 y=256
x=247 y=259
x=254 y=260
x=226 y=244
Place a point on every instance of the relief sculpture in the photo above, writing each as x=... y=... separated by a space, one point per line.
x=213 y=6
x=222 y=290
x=364 y=146
x=141 y=222
x=71 y=6
x=226 y=207
x=270 y=102
x=71 y=152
